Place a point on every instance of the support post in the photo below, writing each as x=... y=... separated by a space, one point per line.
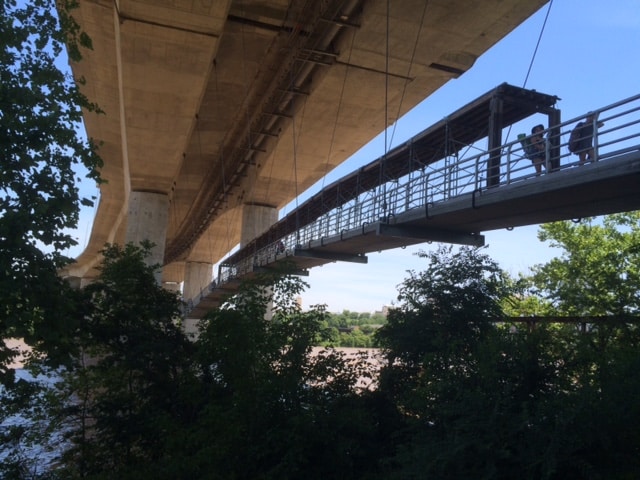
x=495 y=141
x=197 y=277
x=256 y=219
x=554 y=139
x=147 y=220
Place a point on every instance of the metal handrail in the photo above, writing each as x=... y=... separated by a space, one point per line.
x=442 y=181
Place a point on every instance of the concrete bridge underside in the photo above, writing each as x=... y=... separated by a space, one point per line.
x=216 y=105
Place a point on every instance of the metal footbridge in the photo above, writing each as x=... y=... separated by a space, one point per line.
x=442 y=186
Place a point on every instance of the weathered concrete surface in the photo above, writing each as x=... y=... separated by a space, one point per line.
x=218 y=104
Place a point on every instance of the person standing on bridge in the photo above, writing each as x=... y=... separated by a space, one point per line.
x=583 y=135
x=538 y=148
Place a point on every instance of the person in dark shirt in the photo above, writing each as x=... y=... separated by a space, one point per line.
x=584 y=148
x=537 y=149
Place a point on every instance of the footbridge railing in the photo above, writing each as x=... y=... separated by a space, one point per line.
x=616 y=132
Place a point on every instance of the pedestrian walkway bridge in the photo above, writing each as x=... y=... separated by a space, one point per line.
x=442 y=186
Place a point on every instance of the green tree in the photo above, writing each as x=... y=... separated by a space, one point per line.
x=245 y=400
x=481 y=401
x=450 y=304
x=40 y=146
x=275 y=411
x=524 y=300
x=118 y=396
x=110 y=410
x=598 y=272
x=123 y=395
x=112 y=406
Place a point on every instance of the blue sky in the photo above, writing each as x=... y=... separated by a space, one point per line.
x=588 y=56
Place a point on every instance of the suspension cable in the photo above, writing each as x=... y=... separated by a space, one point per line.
x=382 y=183
x=386 y=80
x=222 y=164
x=535 y=51
x=411 y=62
x=295 y=160
x=340 y=102
x=533 y=57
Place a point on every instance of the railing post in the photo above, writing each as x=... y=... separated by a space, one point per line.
x=425 y=190
x=596 y=124
x=407 y=195
x=552 y=158
x=509 y=166
x=495 y=141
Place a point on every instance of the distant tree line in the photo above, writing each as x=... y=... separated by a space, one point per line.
x=352 y=329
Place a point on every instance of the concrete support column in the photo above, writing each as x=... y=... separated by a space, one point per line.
x=197 y=276
x=171 y=286
x=256 y=219
x=84 y=281
x=148 y=217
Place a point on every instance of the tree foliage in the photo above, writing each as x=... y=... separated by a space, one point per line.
x=462 y=396
x=40 y=147
x=352 y=329
x=275 y=410
x=479 y=400
x=460 y=290
x=598 y=272
x=124 y=394
x=247 y=399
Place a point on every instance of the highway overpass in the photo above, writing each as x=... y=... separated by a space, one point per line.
x=218 y=113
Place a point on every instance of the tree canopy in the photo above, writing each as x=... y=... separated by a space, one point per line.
x=41 y=144
x=479 y=399
x=246 y=399
x=598 y=272
x=461 y=395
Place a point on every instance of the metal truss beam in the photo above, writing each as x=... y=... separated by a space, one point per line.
x=325 y=255
x=299 y=272
x=430 y=234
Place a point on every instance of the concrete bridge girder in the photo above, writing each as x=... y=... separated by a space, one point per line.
x=188 y=88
